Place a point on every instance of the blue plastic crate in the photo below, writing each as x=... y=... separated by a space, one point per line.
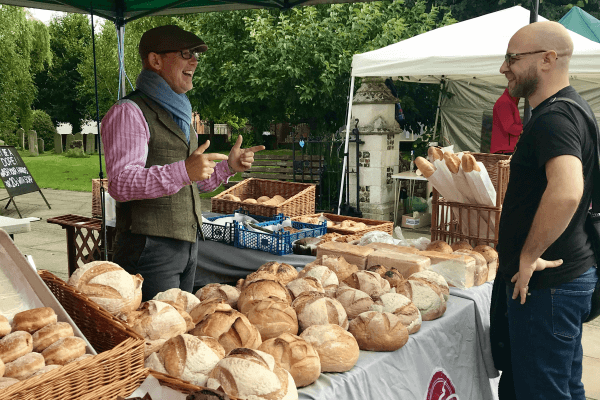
x=226 y=234
x=275 y=243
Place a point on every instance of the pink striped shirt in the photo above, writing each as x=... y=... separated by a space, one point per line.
x=125 y=136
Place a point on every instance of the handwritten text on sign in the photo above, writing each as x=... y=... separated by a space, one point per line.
x=9 y=173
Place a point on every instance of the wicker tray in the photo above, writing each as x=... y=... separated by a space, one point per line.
x=300 y=198
x=102 y=329
x=478 y=224
x=96 y=204
x=373 y=224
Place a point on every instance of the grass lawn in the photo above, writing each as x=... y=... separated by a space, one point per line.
x=55 y=171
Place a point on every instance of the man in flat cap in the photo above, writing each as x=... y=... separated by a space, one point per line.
x=156 y=168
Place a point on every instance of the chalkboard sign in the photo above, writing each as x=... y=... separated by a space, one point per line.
x=16 y=177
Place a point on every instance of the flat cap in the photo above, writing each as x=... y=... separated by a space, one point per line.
x=168 y=38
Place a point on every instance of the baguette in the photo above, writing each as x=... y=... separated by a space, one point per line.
x=469 y=163
x=426 y=168
x=435 y=153
x=452 y=162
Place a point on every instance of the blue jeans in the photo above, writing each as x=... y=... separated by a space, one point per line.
x=545 y=339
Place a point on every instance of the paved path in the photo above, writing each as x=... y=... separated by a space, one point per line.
x=46 y=243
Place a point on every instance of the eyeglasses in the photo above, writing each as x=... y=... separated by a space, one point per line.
x=185 y=54
x=512 y=57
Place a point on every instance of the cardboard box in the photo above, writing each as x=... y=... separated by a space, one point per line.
x=410 y=221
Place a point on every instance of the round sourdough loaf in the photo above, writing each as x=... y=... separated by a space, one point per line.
x=257 y=276
x=231 y=328
x=375 y=331
x=434 y=280
x=396 y=280
x=262 y=199
x=428 y=299
x=340 y=267
x=207 y=394
x=369 y=282
x=337 y=348
x=315 y=308
x=152 y=346
x=253 y=375
x=272 y=317
x=284 y=272
x=439 y=246
x=208 y=307
x=353 y=300
x=64 y=350
x=50 y=334
x=227 y=293
x=183 y=299
x=24 y=366
x=4 y=326
x=461 y=245
x=153 y=362
x=6 y=382
x=34 y=319
x=303 y=285
x=260 y=290
x=327 y=277
x=157 y=320
x=189 y=322
x=191 y=358
x=402 y=307
x=15 y=345
x=109 y=285
x=296 y=356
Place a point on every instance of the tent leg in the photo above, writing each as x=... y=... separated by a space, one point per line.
x=437 y=112
x=345 y=164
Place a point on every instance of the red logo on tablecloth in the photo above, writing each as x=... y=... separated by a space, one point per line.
x=441 y=387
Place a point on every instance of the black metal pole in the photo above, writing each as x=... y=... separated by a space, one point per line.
x=533 y=17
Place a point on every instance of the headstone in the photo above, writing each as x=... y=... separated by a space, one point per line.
x=41 y=145
x=58 y=149
x=33 y=144
x=71 y=138
x=76 y=144
x=21 y=137
x=90 y=143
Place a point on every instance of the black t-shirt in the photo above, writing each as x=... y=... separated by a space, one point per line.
x=560 y=129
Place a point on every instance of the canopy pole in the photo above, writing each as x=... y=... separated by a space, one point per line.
x=104 y=255
x=348 y=118
x=533 y=17
x=121 y=43
x=437 y=111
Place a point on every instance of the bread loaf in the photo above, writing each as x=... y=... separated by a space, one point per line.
x=24 y=366
x=34 y=319
x=189 y=322
x=452 y=162
x=340 y=267
x=426 y=168
x=262 y=199
x=272 y=317
x=469 y=163
x=481 y=266
x=2 y=368
x=64 y=350
x=369 y=282
x=439 y=246
x=158 y=320
x=376 y=331
x=457 y=269
x=337 y=348
x=405 y=263
x=354 y=301
x=491 y=256
x=109 y=285
x=428 y=299
x=296 y=356
x=396 y=280
x=303 y=285
x=208 y=307
x=356 y=255
x=392 y=247
x=402 y=307
x=315 y=308
x=15 y=345
x=434 y=280
x=153 y=346
x=207 y=394
x=4 y=326
x=231 y=329
x=435 y=153
x=81 y=358
x=250 y=201
x=50 y=334
x=6 y=382
x=461 y=245
x=46 y=369
x=183 y=299
x=227 y=293
x=327 y=277
x=191 y=358
x=253 y=375
x=284 y=272
x=260 y=290
x=257 y=276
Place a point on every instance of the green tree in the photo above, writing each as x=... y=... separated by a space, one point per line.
x=70 y=43
x=42 y=124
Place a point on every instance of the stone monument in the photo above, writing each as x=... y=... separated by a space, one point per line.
x=33 y=143
x=58 y=149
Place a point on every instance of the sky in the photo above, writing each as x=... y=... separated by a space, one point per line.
x=44 y=15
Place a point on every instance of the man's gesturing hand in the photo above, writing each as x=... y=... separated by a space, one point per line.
x=241 y=159
x=526 y=270
x=201 y=166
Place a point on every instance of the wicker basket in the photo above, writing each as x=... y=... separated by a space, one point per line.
x=478 y=224
x=300 y=198
x=96 y=202
x=373 y=224
x=102 y=329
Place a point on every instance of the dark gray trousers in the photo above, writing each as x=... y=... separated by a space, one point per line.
x=164 y=263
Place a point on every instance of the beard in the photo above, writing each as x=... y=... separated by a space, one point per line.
x=527 y=86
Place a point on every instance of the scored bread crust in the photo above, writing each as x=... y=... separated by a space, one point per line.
x=426 y=168
x=261 y=290
x=272 y=317
x=353 y=300
x=338 y=349
x=285 y=272
x=228 y=293
x=231 y=328
x=378 y=331
x=305 y=284
x=313 y=308
x=183 y=299
x=452 y=162
x=435 y=153
x=469 y=163
x=402 y=307
x=369 y=282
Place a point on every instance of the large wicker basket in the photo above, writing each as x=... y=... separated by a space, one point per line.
x=300 y=198
x=96 y=202
x=373 y=224
x=477 y=224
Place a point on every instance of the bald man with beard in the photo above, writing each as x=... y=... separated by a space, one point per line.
x=546 y=258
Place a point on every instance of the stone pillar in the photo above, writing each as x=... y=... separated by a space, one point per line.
x=33 y=144
x=21 y=137
x=373 y=106
x=40 y=143
x=58 y=149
